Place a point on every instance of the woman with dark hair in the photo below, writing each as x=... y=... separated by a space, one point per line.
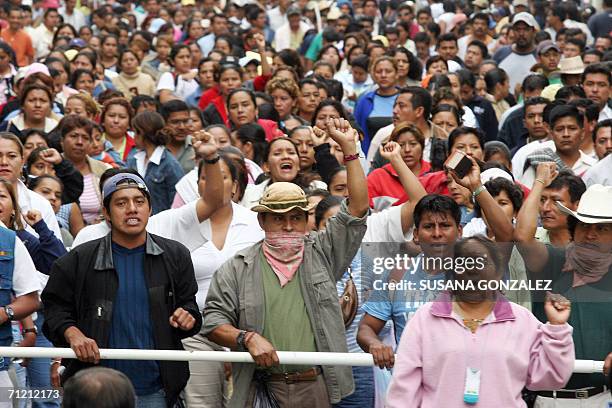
x=446 y=118
x=227 y=77
x=383 y=182
x=251 y=140
x=180 y=83
x=282 y=162
x=157 y=166
x=409 y=68
x=116 y=117
x=374 y=110
x=109 y=53
x=131 y=81
x=242 y=110
x=86 y=60
x=498 y=89
x=36 y=103
x=331 y=54
x=61 y=78
x=7 y=72
x=290 y=58
x=308 y=99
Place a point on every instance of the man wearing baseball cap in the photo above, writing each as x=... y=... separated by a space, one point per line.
x=280 y=294
x=582 y=272
x=518 y=58
x=129 y=289
x=548 y=55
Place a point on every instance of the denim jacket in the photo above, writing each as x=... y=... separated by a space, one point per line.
x=161 y=180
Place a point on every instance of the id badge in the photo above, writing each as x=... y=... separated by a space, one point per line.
x=472 y=386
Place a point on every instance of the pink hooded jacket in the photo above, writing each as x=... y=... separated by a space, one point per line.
x=511 y=348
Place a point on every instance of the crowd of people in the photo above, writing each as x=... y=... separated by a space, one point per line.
x=212 y=175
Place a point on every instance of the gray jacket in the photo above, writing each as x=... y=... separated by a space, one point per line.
x=236 y=297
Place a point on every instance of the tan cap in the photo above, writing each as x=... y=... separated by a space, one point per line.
x=282 y=197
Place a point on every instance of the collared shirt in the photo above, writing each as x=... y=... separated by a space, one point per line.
x=141 y=159
x=600 y=173
x=186 y=155
x=21 y=42
x=580 y=167
x=606 y=113
x=76 y=19
x=42 y=40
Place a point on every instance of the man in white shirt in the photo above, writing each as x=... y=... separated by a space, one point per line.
x=73 y=16
x=480 y=32
x=291 y=34
x=42 y=36
x=567 y=124
x=596 y=81
x=278 y=15
x=219 y=25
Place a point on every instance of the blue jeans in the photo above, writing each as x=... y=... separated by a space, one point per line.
x=155 y=400
x=39 y=369
x=363 y=397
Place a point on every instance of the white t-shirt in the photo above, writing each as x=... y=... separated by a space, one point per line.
x=25 y=277
x=386 y=226
x=178 y=86
x=243 y=232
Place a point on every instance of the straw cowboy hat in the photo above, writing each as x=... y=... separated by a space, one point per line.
x=593 y=207
x=282 y=197
x=571 y=66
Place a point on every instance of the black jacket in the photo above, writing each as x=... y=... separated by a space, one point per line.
x=485 y=115
x=82 y=287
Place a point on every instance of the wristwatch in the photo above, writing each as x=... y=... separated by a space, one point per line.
x=240 y=340
x=29 y=330
x=10 y=313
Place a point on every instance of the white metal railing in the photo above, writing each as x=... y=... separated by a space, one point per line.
x=285 y=357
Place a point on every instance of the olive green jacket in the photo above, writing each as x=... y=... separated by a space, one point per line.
x=236 y=297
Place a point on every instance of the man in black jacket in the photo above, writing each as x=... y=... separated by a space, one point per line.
x=129 y=289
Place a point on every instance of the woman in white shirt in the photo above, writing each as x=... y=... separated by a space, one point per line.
x=181 y=81
x=229 y=229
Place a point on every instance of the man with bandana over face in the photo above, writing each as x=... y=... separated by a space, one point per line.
x=280 y=294
x=582 y=272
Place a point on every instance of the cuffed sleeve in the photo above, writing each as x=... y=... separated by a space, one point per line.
x=552 y=357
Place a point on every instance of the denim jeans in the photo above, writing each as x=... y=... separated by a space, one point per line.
x=155 y=400
x=39 y=374
x=363 y=397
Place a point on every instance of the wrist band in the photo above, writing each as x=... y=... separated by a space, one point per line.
x=478 y=190
x=247 y=338
x=540 y=181
x=351 y=157
x=212 y=161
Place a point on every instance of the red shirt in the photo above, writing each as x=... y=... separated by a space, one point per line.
x=384 y=182
x=437 y=183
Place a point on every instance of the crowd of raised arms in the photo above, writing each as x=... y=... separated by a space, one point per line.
x=426 y=181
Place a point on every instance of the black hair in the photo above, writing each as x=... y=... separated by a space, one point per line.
x=330 y=176
x=361 y=61
x=590 y=108
x=256 y=135
x=77 y=74
x=329 y=102
x=466 y=130
x=542 y=36
x=267 y=111
x=221 y=68
x=565 y=111
x=597 y=69
x=494 y=147
x=438 y=81
x=577 y=42
x=493 y=252
x=324 y=205
x=466 y=77
x=446 y=38
x=496 y=186
x=291 y=58
x=173 y=106
x=439 y=204
x=415 y=69
x=443 y=107
x=484 y=51
x=33 y=182
x=603 y=124
x=536 y=100
x=593 y=51
x=422 y=37
x=245 y=90
x=494 y=77
x=420 y=98
x=574 y=184
x=566 y=92
x=9 y=51
x=534 y=82
x=139 y=100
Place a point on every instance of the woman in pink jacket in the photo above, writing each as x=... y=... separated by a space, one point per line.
x=475 y=347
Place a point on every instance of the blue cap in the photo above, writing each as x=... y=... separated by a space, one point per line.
x=121 y=181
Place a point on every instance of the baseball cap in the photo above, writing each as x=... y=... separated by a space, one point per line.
x=121 y=181
x=525 y=18
x=545 y=46
x=519 y=3
x=293 y=11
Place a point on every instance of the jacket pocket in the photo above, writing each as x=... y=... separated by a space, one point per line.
x=324 y=288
